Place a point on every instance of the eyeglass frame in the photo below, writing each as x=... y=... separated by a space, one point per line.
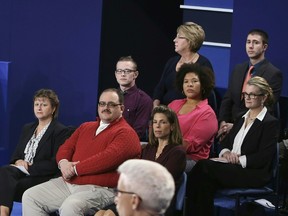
x=251 y=95
x=109 y=104
x=117 y=191
x=125 y=71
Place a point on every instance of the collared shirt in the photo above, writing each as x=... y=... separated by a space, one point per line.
x=137 y=110
x=101 y=127
x=256 y=66
x=238 y=141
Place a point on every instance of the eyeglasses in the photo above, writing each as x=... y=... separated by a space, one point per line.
x=125 y=71
x=109 y=104
x=251 y=95
x=117 y=192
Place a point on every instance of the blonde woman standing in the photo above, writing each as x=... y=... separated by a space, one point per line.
x=188 y=41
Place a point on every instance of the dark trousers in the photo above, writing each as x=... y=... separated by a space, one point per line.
x=13 y=184
x=208 y=176
x=9 y=177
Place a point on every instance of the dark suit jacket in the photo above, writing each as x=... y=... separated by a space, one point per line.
x=44 y=162
x=232 y=106
x=207 y=176
x=259 y=146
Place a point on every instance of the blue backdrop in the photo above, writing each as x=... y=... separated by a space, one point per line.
x=50 y=44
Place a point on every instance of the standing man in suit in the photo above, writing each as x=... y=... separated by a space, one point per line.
x=137 y=104
x=232 y=104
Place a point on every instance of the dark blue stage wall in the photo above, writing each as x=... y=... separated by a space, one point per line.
x=50 y=44
x=270 y=16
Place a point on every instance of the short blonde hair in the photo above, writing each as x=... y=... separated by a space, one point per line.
x=194 y=34
x=264 y=88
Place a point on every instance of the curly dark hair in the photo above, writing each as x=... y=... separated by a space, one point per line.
x=205 y=75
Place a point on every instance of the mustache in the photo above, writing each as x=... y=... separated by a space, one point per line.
x=106 y=110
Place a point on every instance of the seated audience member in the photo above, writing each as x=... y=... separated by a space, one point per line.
x=144 y=188
x=197 y=119
x=164 y=147
x=247 y=155
x=35 y=152
x=232 y=104
x=137 y=104
x=188 y=41
x=88 y=161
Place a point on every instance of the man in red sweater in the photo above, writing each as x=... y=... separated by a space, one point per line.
x=88 y=161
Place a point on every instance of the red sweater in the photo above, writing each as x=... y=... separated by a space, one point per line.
x=100 y=155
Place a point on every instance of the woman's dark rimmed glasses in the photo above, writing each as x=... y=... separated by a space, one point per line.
x=251 y=95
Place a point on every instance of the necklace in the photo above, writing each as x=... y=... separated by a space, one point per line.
x=158 y=153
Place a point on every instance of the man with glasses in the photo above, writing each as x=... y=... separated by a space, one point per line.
x=137 y=104
x=88 y=161
x=144 y=188
x=232 y=104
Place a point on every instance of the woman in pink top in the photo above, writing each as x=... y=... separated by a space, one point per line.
x=197 y=119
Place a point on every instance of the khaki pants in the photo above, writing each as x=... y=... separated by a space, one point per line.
x=69 y=199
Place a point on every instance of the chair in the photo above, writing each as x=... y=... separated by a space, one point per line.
x=253 y=193
x=181 y=195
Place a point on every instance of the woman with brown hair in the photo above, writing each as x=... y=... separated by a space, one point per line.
x=33 y=161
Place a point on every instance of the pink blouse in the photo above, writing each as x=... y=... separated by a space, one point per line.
x=198 y=127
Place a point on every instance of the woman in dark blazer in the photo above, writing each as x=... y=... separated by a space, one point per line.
x=33 y=161
x=246 y=156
